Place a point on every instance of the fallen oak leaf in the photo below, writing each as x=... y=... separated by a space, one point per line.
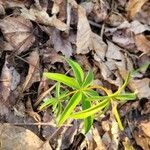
x=142 y=43
x=6 y=78
x=86 y=39
x=33 y=73
x=83 y=32
x=15 y=137
x=18 y=32
x=134 y=6
x=42 y=17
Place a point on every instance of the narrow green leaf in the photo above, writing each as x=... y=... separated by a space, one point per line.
x=99 y=98
x=91 y=93
x=74 y=101
x=124 y=85
x=57 y=89
x=126 y=96
x=89 y=78
x=88 y=112
x=58 y=110
x=89 y=120
x=47 y=103
x=77 y=70
x=69 y=81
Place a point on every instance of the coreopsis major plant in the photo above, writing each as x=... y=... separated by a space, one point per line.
x=82 y=94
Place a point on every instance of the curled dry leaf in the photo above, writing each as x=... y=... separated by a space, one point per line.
x=6 y=78
x=83 y=32
x=15 y=137
x=142 y=139
x=42 y=17
x=33 y=73
x=98 y=140
x=2 y=10
x=141 y=86
x=61 y=44
x=18 y=32
x=142 y=43
x=86 y=39
x=145 y=127
x=134 y=6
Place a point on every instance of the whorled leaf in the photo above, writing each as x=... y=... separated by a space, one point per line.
x=90 y=111
x=126 y=97
x=74 y=101
x=89 y=78
x=77 y=70
x=89 y=120
x=69 y=81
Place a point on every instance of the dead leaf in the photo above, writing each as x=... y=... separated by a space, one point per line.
x=134 y=6
x=97 y=138
x=141 y=86
x=61 y=44
x=18 y=32
x=42 y=17
x=142 y=43
x=33 y=73
x=6 y=78
x=146 y=128
x=2 y=10
x=100 y=10
x=127 y=145
x=83 y=32
x=138 y=27
x=141 y=140
x=15 y=138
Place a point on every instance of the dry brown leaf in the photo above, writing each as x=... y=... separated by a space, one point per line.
x=127 y=145
x=16 y=138
x=2 y=10
x=42 y=17
x=61 y=44
x=33 y=72
x=142 y=140
x=100 y=145
x=141 y=86
x=142 y=43
x=86 y=39
x=146 y=128
x=6 y=78
x=109 y=67
x=83 y=32
x=18 y=32
x=134 y=6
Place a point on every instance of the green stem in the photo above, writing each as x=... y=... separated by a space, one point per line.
x=116 y=114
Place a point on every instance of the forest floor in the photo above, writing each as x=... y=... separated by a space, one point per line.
x=111 y=37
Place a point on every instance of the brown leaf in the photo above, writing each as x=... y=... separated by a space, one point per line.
x=33 y=73
x=134 y=6
x=142 y=43
x=141 y=140
x=86 y=39
x=6 y=78
x=141 y=86
x=146 y=128
x=15 y=137
x=41 y=16
x=18 y=32
x=61 y=44
x=98 y=140
x=83 y=32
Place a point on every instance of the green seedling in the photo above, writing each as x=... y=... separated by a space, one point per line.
x=83 y=94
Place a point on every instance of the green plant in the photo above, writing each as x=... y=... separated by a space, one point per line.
x=81 y=92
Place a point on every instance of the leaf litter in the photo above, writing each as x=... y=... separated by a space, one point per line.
x=109 y=38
